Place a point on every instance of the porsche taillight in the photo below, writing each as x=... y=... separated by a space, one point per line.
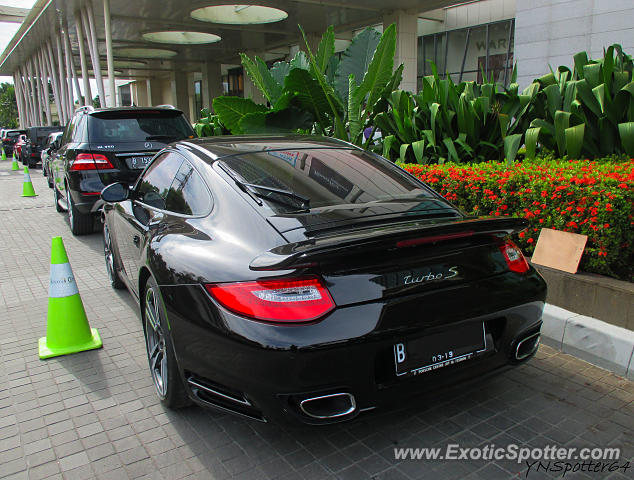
x=293 y=300
x=90 y=161
x=514 y=257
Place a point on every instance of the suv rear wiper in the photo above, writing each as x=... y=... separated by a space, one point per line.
x=251 y=189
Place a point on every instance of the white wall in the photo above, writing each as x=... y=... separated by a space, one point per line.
x=550 y=32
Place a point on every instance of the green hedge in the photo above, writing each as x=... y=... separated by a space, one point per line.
x=592 y=198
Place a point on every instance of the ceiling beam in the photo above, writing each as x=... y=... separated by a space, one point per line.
x=331 y=3
x=13 y=14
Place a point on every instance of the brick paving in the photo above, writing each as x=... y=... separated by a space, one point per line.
x=95 y=414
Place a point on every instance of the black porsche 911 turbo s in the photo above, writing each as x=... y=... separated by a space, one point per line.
x=302 y=278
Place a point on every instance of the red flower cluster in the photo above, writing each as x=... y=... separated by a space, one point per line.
x=592 y=198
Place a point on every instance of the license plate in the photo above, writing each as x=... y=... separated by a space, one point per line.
x=439 y=350
x=139 y=162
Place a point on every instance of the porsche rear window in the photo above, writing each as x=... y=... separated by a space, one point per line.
x=329 y=177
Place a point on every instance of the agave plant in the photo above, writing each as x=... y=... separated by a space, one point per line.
x=318 y=92
x=454 y=122
x=588 y=111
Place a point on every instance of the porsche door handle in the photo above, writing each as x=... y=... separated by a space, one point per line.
x=137 y=240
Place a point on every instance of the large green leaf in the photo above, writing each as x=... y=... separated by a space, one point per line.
x=356 y=59
x=626 y=132
x=574 y=140
x=592 y=74
x=276 y=122
x=354 y=111
x=259 y=73
x=419 y=149
x=581 y=60
x=532 y=137
x=562 y=122
x=387 y=145
x=451 y=149
x=300 y=60
x=326 y=49
x=380 y=69
x=309 y=95
x=340 y=129
x=279 y=70
x=511 y=146
x=231 y=110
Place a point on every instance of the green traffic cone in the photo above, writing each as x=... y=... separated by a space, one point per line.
x=27 y=187
x=4 y=155
x=14 y=165
x=67 y=329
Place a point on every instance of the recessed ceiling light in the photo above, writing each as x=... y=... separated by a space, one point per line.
x=145 y=52
x=239 y=14
x=181 y=37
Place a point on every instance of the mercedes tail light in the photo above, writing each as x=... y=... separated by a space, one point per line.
x=293 y=300
x=90 y=161
x=514 y=257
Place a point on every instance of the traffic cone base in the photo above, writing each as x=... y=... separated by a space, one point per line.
x=14 y=165
x=27 y=186
x=67 y=329
x=46 y=351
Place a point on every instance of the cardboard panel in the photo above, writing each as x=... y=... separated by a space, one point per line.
x=560 y=250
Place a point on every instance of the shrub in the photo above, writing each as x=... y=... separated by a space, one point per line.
x=592 y=198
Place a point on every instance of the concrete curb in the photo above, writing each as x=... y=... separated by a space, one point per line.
x=592 y=340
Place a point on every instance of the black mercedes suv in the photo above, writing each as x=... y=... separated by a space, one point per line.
x=103 y=146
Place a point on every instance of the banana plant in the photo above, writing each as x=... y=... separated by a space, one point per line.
x=588 y=111
x=316 y=92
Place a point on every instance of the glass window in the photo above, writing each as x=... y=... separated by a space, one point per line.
x=329 y=177
x=155 y=183
x=125 y=94
x=163 y=126
x=198 y=99
x=469 y=53
x=188 y=194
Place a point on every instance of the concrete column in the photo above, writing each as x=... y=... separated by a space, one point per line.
x=63 y=81
x=111 y=84
x=49 y=63
x=211 y=84
x=154 y=89
x=180 y=93
x=82 y=59
x=250 y=90
x=19 y=97
x=45 y=92
x=91 y=35
x=142 y=97
x=406 y=45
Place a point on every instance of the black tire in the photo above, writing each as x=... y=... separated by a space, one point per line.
x=44 y=172
x=49 y=180
x=56 y=200
x=80 y=223
x=112 y=265
x=168 y=382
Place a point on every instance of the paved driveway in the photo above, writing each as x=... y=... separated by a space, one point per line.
x=95 y=415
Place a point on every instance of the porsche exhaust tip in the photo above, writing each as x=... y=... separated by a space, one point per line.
x=527 y=346
x=329 y=406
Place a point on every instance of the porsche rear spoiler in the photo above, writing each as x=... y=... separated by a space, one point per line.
x=309 y=252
